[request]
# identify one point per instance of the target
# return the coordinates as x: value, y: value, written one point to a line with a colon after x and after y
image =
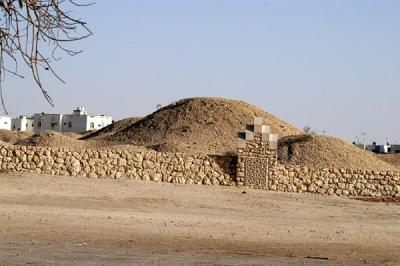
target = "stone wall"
x: 194, y: 169
x: 340, y: 182
x: 154, y: 166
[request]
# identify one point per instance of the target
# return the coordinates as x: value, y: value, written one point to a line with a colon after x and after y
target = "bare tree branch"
x: 28, y: 28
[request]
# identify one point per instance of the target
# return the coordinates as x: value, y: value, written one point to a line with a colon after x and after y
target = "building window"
x: 92, y: 125
x: 54, y: 124
x: 65, y: 123
x: 69, y: 124
x: 39, y: 124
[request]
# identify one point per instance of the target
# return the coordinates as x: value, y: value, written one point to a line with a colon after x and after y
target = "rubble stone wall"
x: 333, y: 181
x: 193, y: 169
x: 154, y: 166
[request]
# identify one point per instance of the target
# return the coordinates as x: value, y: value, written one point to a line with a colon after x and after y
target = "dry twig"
x: 28, y: 28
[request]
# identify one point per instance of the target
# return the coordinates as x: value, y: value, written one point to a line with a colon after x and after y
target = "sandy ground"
x: 47, y: 220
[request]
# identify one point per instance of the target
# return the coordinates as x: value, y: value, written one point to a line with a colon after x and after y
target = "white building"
x: 22, y: 124
x: 5, y: 122
x: 79, y: 121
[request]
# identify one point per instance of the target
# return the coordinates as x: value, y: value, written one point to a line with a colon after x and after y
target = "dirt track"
x: 64, y: 220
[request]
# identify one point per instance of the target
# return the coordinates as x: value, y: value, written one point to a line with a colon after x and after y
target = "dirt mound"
x: 196, y: 125
x: 393, y: 159
x: 13, y: 137
x: 72, y: 135
x: 113, y: 128
x: 53, y: 139
x: 322, y: 151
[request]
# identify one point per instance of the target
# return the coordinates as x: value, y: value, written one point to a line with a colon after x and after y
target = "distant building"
x: 5, y: 122
x: 79, y: 121
x: 395, y: 148
x: 22, y: 123
x: 388, y: 148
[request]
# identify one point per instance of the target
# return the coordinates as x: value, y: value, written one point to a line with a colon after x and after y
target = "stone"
x: 311, y: 188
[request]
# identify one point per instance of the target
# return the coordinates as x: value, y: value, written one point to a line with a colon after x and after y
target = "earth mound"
x: 196, y: 125
x: 53, y: 139
x: 113, y: 128
x: 393, y: 159
x: 13, y: 137
x: 325, y: 152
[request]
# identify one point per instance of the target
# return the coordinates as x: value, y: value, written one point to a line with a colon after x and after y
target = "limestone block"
x: 265, y: 137
x: 273, y: 145
x: 249, y: 135
x: 241, y: 144
x: 273, y: 137
x: 262, y: 129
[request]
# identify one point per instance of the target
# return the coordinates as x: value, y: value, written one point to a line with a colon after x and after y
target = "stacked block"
x: 257, y: 154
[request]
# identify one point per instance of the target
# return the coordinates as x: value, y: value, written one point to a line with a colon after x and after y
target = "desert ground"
x: 47, y: 220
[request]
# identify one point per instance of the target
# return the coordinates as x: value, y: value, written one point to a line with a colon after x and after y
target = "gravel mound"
x: 13, y: 137
x: 393, y: 159
x: 196, y: 125
x: 53, y: 139
x: 113, y: 128
x: 325, y: 152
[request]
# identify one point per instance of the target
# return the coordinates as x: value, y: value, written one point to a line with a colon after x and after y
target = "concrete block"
x: 266, y: 129
x: 258, y: 121
x: 249, y: 135
x: 241, y: 144
x: 273, y: 145
x: 273, y: 137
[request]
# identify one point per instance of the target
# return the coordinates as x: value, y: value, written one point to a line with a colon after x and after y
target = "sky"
x: 332, y: 65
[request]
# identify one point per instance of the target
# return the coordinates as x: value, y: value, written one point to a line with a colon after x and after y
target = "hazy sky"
x: 333, y: 65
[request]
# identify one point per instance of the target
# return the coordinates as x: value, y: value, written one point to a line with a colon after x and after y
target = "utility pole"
x: 363, y: 134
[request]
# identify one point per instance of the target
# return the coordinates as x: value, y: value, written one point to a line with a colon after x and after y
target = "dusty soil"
x: 196, y: 125
x: 393, y: 159
x: 70, y: 221
x: 391, y: 200
x: 325, y: 152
